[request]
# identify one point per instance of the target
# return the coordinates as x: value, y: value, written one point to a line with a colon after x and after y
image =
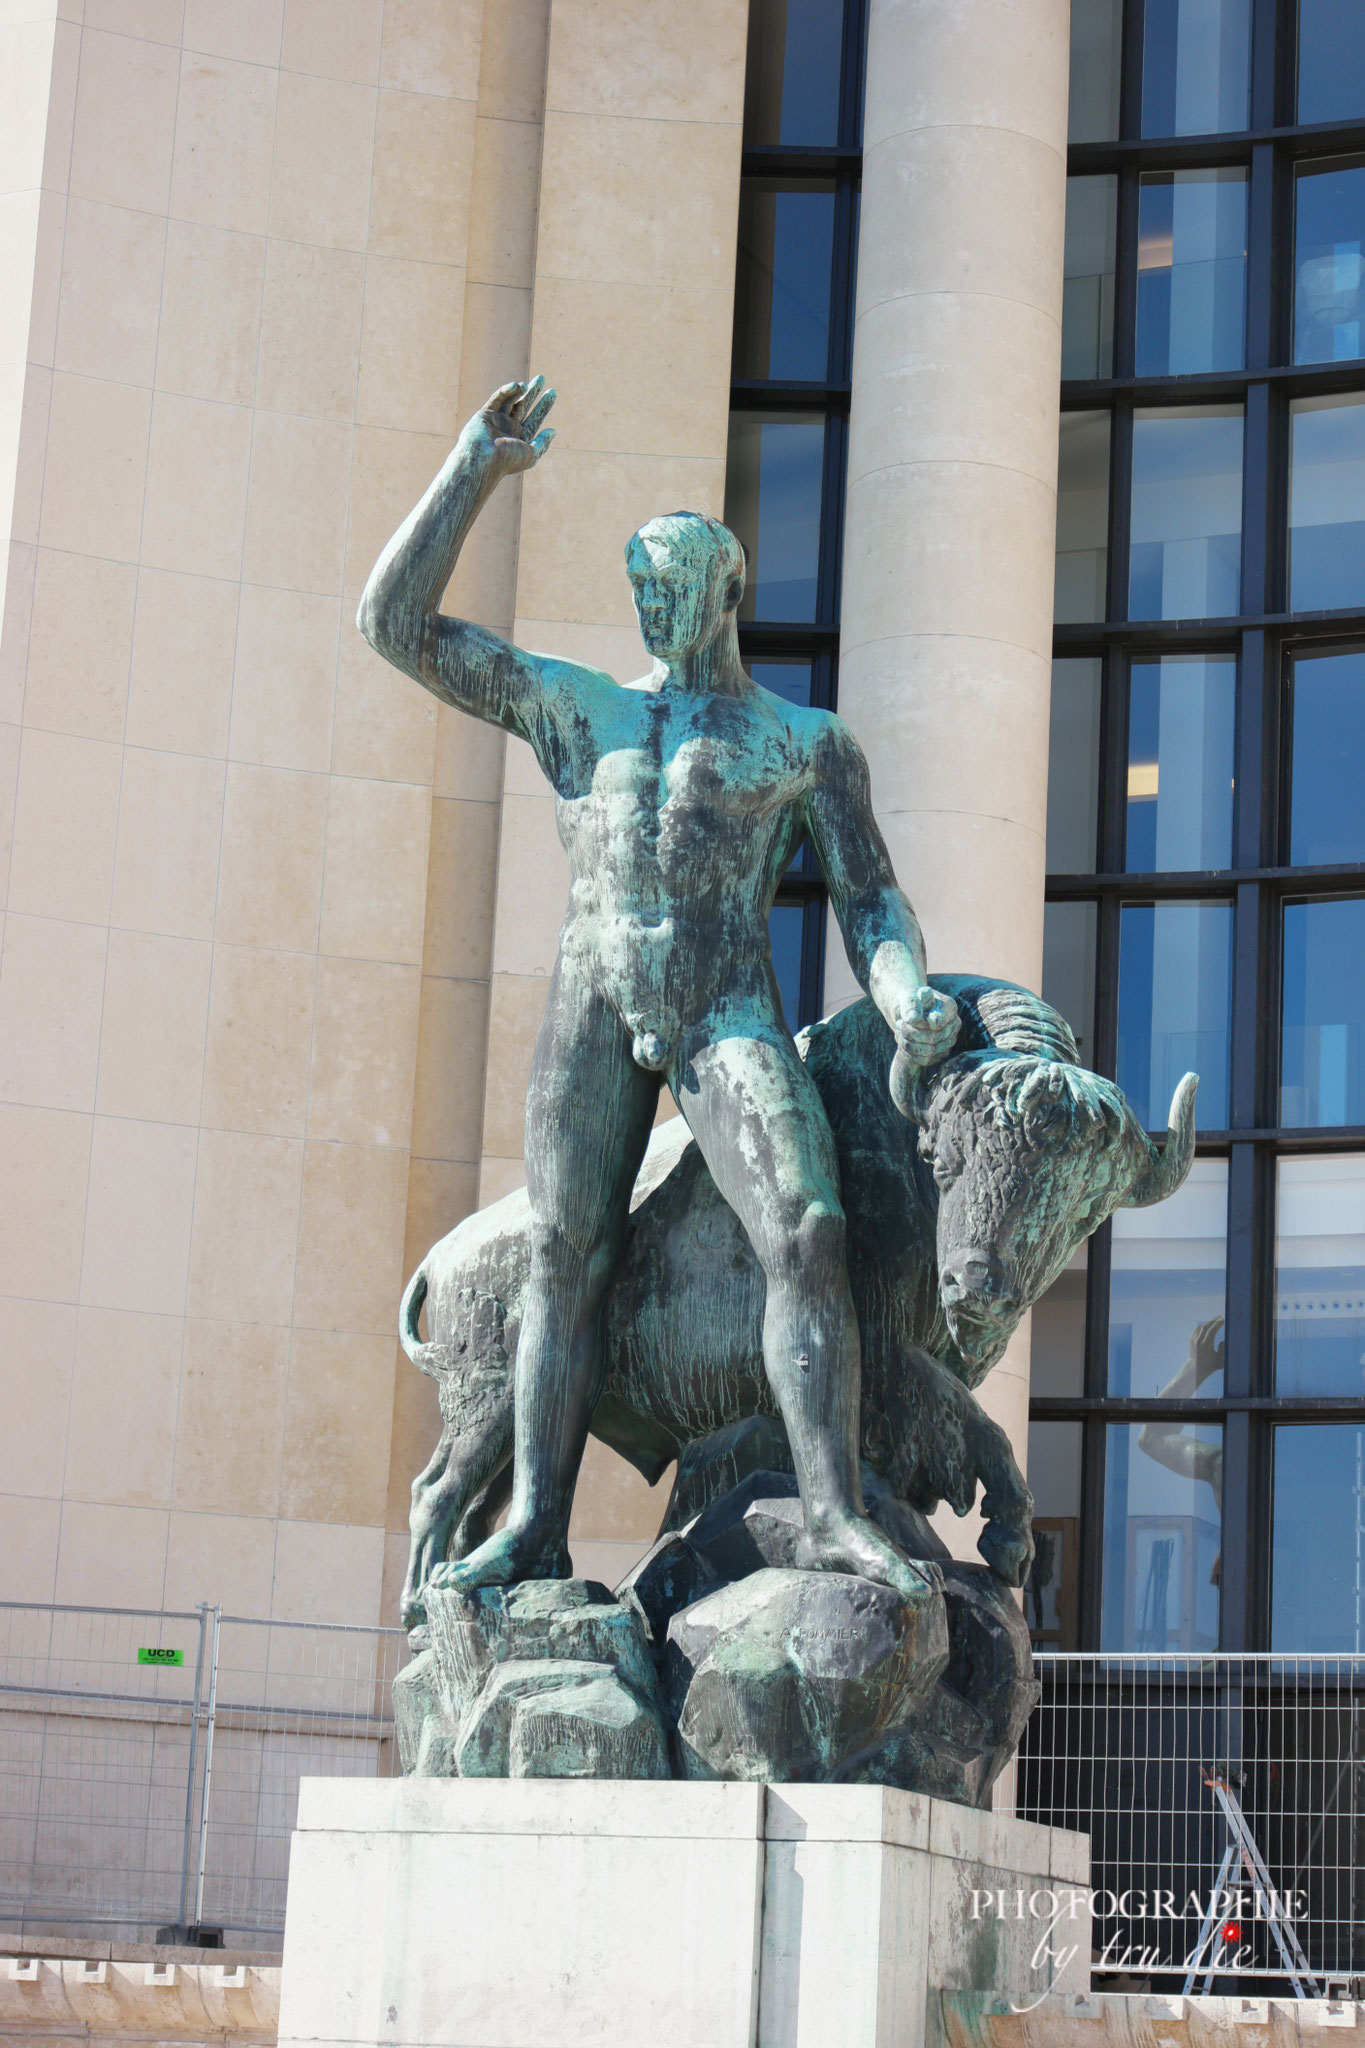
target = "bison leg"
x: 1006, y: 1542
x: 480, y: 1517
x: 460, y: 1467
x: 947, y: 1446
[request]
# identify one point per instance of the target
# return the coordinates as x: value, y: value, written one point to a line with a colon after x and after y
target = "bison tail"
x: 422, y: 1355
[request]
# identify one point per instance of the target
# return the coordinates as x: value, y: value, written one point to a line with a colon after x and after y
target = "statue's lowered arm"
x: 459, y: 662
x: 881, y: 932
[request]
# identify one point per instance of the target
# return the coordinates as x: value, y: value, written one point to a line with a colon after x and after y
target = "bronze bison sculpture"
x: 965, y: 1199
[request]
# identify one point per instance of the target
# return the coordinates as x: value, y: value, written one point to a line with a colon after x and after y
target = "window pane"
x: 1329, y: 228
x: 790, y: 680
x: 786, y: 925
x: 1181, y: 717
x: 1096, y: 41
x: 1191, y: 297
x: 1073, y: 767
x: 1196, y: 69
x: 1331, y: 60
x: 1069, y: 969
x: 1175, y: 985
x: 1168, y: 1291
x: 1163, y: 1485
x: 1320, y: 1277
x: 1317, y: 1594
x: 1323, y: 1079
x: 1082, y: 516
x: 791, y: 84
x: 1327, y: 822
x: 1054, y: 1477
x: 1187, y: 514
x: 1326, y: 503
x: 1088, y: 277
x: 782, y: 279
x: 772, y: 502
x: 1057, y: 1344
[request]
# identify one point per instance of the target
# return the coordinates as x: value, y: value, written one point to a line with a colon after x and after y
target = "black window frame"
x: 1264, y: 636
x: 817, y: 641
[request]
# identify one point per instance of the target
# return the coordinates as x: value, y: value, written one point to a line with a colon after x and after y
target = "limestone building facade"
x: 276, y: 927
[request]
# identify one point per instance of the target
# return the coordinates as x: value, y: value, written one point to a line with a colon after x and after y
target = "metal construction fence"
x: 1134, y: 1750
x: 150, y: 1763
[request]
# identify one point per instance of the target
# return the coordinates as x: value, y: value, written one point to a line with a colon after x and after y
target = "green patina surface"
x: 681, y: 798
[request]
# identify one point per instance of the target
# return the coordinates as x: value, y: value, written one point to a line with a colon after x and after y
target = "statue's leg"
x: 589, y: 1111
x: 762, y: 1128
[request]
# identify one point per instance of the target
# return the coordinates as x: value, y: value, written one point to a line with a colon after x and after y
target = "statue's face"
x: 678, y: 578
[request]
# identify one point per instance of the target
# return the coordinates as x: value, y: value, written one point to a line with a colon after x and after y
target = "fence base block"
x: 549, y: 1913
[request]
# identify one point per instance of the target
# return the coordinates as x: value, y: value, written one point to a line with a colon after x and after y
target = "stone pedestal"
x: 548, y: 1913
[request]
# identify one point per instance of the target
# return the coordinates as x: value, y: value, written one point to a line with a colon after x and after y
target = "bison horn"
x: 1161, y: 1171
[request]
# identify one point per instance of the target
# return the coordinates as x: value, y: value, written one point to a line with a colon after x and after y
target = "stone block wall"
x: 258, y: 886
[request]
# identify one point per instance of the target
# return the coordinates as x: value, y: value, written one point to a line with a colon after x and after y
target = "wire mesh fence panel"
x: 97, y: 1741
x: 150, y: 1766
x: 292, y: 1700
x: 1133, y: 1750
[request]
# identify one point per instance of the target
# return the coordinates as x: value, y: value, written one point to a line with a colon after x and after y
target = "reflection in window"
x: 782, y: 279
x: 1323, y: 1076
x: 786, y: 933
x: 1329, y: 231
x: 1320, y: 1277
x: 1163, y: 1486
x: 1191, y: 296
x: 1168, y: 1291
x: 1054, y: 1477
x: 1187, y: 513
x: 1096, y: 45
x: 1082, y: 517
x: 1073, y: 766
x: 1318, y: 1538
x: 1326, y: 821
x: 1088, y: 277
x: 1175, y: 987
x: 1196, y: 66
x: 1326, y: 503
x: 1181, y: 716
x: 1057, y: 1343
x: 1331, y: 60
x: 1069, y: 969
x: 791, y: 82
x: 772, y: 502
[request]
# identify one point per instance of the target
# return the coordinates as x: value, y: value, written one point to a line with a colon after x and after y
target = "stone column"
x: 945, y: 645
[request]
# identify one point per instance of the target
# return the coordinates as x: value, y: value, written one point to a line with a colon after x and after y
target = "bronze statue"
x: 681, y: 799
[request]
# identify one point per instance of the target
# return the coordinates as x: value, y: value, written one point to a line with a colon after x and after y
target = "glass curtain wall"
x: 784, y: 486
x: 1197, y: 1447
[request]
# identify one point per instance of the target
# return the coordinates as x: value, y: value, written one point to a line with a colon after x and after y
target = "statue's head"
x: 1029, y: 1157
x: 686, y: 572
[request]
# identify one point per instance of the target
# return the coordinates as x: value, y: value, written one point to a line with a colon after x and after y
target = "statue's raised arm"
x: 461, y: 663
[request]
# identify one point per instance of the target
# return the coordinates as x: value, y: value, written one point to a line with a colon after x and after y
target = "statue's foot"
x: 509, y: 1556
x: 851, y: 1544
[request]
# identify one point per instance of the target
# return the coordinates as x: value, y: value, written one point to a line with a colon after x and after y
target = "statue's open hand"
x: 511, y: 424
x: 926, y: 1026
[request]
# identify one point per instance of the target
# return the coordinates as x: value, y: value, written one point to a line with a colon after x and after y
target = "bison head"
x: 1030, y: 1153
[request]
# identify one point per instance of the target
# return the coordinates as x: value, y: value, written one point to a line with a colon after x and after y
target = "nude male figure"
x: 681, y: 799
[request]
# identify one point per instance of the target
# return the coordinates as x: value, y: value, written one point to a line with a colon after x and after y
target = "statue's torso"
x: 679, y: 813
